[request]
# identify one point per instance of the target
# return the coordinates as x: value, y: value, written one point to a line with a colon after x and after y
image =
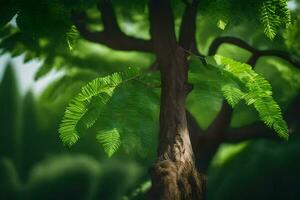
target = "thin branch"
x: 108, y: 15
x: 111, y: 36
x: 253, y: 131
x: 221, y: 122
x: 259, y: 130
x: 188, y: 26
x: 187, y: 35
x: 256, y: 53
x: 154, y: 66
x: 253, y: 60
x: 281, y: 54
x: 209, y: 142
x: 230, y: 40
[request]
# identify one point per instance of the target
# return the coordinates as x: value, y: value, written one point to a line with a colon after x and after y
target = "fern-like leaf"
x: 252, y: 88
x: 232, y: 94
x: 72, y: 36
x: 292, y: 36
x: 273, y: 14
x: 269, y: 19
x: 87, y: 105
x: 110, y: 140
x: 284, y: 13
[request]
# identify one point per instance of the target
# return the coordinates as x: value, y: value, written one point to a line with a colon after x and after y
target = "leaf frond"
x: 250, y: 87
x: 87, y: 105
x: 273, y: 14
x: 110, y: 140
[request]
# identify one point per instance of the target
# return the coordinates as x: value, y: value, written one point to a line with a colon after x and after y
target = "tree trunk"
x: 174, y: 175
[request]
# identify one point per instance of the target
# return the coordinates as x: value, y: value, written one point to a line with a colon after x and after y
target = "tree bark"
x: 174, y: 175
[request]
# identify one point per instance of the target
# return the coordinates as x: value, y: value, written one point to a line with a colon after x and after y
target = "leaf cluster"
x: 123, y: 108
x: 238, y: 81
x: 274, y: 13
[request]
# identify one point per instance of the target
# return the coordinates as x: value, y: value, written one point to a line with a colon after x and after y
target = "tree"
x: 182, y: 144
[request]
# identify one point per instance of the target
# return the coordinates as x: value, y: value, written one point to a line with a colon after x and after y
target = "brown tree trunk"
x: 174, y: 175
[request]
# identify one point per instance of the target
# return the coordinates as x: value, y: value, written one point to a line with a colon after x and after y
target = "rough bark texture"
x: 174, y: 175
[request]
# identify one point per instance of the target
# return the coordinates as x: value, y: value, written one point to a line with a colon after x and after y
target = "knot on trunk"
x: 176, y: 181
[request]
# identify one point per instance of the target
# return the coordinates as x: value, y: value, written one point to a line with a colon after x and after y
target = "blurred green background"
x: 34, y: 164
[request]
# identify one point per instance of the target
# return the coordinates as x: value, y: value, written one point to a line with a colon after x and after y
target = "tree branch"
x: 259, y: 130
x: 221, y: 122
x: 256, y: 130
x: 111, y: 36
x: 209, y: 142
x: 230, y: 40
x: 256, y: 53
x: 188, y: 26
x: 187, y: 38
x: 253, y: 131
x: 108, y: 15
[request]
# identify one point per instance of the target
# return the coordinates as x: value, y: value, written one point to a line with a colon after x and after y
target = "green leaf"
x: 43, y: 70
x: 273, y: 14
x: 239, y: 81
x: 87, y: 105
x: 222, y: 24
x: 72, y: 37
x: 292, y: 36
x: 110, y: 140
x: 232, y: 94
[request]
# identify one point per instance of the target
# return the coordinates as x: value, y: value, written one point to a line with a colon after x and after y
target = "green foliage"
x: 269, y: 169
x: 7, y: 9
x: 52, y: 38
x: 81, y: 177
x: 292, y: 36
x: 67, y: 177
x: 274, y: 13
x: 110, y: 140
x: 205, y: 100
x: 232, y: 94
x: 32, y: 138
x: 285, y: 78
x: 122, y: 111
x: 271, y: 13
x: 134, y: 110
x: 9, y: 118
x: 254, y: 89
x: 72, y: 36
x: 237, y: 81
x: 10, y: 185
x: 40, y: 29
x: 47, y: 66
x: 94, y: 95
x: 122, y: 117
x: 140, y: 192
x: 222, y: 24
